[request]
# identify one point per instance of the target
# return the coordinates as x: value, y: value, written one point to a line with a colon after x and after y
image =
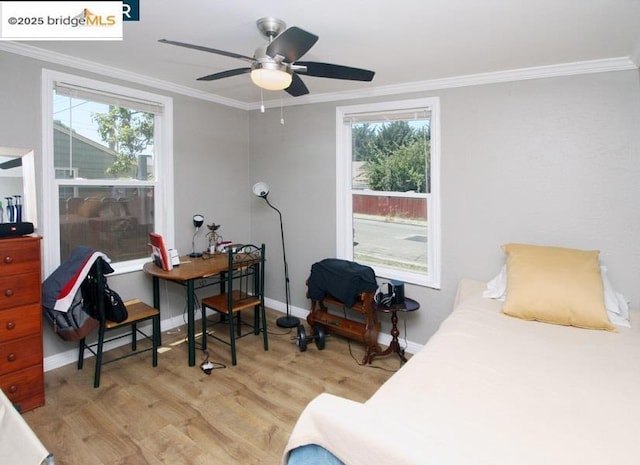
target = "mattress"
x: 492, y: 389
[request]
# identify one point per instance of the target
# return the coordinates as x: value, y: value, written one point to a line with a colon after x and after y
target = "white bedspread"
x: 492, y: 389
x: 18, y: 443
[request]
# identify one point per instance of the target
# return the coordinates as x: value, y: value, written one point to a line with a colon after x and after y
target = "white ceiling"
x: 404, y: 41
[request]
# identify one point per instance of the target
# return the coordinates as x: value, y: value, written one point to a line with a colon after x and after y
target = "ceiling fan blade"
x: 291, y: 44
x: 14, y: 163
x: 297, y: 87
x: 328, y: 70
x: 207, y: 49
x: 224, y: 74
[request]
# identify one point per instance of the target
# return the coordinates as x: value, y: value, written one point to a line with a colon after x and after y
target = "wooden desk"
x: 190, y: 270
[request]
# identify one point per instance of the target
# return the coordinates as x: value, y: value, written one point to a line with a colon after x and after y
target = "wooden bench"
x: 363, y: 331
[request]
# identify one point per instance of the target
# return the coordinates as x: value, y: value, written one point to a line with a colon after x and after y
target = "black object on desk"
x: 409, y: 305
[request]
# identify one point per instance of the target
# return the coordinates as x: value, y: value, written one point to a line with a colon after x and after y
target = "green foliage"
x: 393, y: 136
x: 404, y: 169
x: 396, y: 153
x: 128, y: 133
x: 363, y: 137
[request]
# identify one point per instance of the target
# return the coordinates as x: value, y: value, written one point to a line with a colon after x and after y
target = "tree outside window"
x: 390, y: 216
x: 108, y: 148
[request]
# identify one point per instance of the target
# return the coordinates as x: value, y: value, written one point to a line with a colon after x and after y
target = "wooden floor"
x: 176, y: 414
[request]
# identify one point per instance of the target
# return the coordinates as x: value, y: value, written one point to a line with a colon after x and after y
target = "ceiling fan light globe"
x: 271, y: 79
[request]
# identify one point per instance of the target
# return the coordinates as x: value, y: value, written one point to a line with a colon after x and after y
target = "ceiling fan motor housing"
x: 271, y: 27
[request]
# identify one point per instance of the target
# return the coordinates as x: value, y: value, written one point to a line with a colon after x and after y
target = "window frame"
x: 344, y: 193
x: 163, y: 169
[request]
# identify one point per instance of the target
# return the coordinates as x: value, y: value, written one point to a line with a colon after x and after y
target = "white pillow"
x: 614, y: 302
x: 497, y: 287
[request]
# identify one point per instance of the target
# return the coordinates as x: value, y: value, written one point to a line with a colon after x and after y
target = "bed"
x: 491, y: 388
x: 18, y: 442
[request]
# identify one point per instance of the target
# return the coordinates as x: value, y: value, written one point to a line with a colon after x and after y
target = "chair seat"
x: 137, y: 311
x: 240, y: 301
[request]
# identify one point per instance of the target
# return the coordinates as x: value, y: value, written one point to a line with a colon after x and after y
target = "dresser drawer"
x: 20, y: 353
x: 20, y: 322
x: 19, y: 255
x: 25, y: 388
x: 21, y: 289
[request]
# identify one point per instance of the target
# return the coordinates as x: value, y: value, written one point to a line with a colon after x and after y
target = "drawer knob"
x: 8, y: 292
x: 11, y: 325
x: 8, y: 259
x: 13, y: 389
x: 12, y: 357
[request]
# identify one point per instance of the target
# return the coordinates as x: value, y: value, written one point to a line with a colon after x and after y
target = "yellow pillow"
x: 555, y: 285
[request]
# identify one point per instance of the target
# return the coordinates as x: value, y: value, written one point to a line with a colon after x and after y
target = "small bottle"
x: 10, y: 212
x: 1, y: 213
x: 18, y: 208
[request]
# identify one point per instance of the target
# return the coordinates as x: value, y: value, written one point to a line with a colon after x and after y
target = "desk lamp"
x: 198, y: 220
x: 261, y: 189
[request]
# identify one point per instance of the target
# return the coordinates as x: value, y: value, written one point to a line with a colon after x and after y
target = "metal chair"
x: 138, y: 312
x: 242, y: 287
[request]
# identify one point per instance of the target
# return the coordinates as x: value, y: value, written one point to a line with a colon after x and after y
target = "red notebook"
x: 160, y: 251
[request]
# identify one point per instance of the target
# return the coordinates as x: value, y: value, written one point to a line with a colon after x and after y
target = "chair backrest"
x: 93, y: 289
x: 245, y: 274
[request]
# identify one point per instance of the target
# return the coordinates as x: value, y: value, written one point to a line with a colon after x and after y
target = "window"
x: 107, y: 169
x: 388, y: 206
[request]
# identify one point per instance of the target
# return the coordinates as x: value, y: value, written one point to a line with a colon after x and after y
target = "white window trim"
x: 344, y: 211
x: 163, y: 191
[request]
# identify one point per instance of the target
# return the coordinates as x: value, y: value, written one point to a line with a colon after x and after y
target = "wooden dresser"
x: 21, y: 357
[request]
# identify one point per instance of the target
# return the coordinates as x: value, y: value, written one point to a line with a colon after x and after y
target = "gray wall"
x: 549, y: 161
x: 211, y: 168
x: 552, y: 161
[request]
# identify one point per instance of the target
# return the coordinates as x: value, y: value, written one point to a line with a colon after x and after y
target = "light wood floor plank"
x: 176, y: 414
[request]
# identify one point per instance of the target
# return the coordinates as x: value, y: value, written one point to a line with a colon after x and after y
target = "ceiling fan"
x: 275, y: 67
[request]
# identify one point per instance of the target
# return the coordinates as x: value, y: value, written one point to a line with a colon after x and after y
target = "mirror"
x: 18, y: 178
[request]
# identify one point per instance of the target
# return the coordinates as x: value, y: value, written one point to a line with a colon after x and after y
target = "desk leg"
x: 156, y: 301
x: 191, y: 326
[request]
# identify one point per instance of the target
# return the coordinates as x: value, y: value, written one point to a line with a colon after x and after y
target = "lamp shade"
x: 198, y: 220
x: 261, y: 189
x: 271, y: 78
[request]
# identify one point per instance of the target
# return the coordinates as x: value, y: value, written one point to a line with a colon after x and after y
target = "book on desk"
x: 159, y: 252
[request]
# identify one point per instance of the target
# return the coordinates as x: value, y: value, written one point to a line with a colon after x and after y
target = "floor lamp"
x: 261, y: 189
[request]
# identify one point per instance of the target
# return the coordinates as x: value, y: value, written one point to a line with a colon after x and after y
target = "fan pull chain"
x: 261, y: 101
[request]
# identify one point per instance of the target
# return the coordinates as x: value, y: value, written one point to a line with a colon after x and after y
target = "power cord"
x: 367, y: 365
x: 208, y: 366
x: 283, y: 333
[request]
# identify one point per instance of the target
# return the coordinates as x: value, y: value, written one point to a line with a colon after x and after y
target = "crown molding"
x: 537, y: 72
x: 118, y: 73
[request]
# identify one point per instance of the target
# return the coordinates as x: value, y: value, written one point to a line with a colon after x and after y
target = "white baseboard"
x: 71, y: 356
